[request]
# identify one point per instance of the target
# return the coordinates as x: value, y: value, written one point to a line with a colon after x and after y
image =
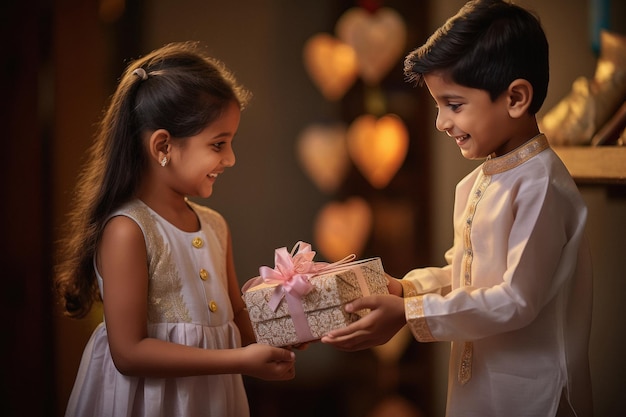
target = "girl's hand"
x: 299, y: 346
x: 268, y: 362
x: 384, y: 320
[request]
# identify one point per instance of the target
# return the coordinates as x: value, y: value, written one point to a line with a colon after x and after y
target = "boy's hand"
x: 393, y: 285
x: 384, y: 320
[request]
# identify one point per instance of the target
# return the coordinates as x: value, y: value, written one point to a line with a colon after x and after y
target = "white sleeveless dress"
x: 188, y: 304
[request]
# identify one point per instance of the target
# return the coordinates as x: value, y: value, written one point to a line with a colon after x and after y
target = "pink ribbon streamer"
x: 291, y: 272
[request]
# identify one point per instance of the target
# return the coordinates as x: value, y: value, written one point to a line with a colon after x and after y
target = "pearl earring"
x: 164, y: 161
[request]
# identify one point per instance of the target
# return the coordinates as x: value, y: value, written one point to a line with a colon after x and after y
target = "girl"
x: 174, y: 320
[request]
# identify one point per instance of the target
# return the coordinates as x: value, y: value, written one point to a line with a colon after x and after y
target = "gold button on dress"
x: 197, y: 242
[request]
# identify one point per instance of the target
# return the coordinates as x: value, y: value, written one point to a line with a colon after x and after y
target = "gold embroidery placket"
x: 465, y: 367
x: 491, y: 167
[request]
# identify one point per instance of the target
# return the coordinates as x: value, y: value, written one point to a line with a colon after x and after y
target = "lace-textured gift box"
x: 296, y: 318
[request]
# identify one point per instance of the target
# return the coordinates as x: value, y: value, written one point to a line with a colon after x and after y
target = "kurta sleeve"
x: 429, y: 280
x: 418, y: 282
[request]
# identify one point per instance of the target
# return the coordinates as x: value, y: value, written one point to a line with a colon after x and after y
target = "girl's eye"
x: 218, y: 145
x: 454, y: 107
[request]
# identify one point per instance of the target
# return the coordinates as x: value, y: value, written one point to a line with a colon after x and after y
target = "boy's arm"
x: 429, y: 280
x: 540, y: 238
x: 387, y: 312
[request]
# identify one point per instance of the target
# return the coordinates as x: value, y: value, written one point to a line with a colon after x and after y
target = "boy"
x: 515, y: 296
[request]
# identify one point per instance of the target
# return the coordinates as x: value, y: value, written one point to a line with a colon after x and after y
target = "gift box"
x: 300, y: 300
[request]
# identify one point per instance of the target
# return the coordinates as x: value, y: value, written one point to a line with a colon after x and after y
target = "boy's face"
x: 479, y: 126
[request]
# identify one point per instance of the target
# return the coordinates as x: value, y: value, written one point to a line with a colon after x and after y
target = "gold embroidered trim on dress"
x: 414, y: 311
x: 165, y: 299
x: 517, y: 156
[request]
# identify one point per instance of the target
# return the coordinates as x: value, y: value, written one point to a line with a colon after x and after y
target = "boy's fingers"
x: 343, y: 331
x: 361, y: 303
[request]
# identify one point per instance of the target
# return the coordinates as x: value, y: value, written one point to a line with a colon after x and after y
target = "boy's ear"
x: 520, y: 95
x: 159, y: 144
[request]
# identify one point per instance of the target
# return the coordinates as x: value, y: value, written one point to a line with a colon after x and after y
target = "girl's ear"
x: 159, y: 145
x: 520, y: 96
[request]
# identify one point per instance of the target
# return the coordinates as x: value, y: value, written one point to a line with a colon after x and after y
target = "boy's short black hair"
x: 487, y: 45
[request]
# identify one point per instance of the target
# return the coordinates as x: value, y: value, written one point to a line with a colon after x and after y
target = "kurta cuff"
x: 414, y: 312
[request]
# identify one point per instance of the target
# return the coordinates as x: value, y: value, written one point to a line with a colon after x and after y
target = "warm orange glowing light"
x: 343, y: 228
x: 378, y: 147
x: 323, y: 153
x: 331, y: 64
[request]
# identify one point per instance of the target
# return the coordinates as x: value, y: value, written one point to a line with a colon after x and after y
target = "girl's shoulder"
x: 136, y: 210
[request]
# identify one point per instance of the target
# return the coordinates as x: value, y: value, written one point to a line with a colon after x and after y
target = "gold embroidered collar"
x: 517, y: 156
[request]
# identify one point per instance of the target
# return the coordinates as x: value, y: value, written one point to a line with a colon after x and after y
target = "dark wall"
x: 28, y: 366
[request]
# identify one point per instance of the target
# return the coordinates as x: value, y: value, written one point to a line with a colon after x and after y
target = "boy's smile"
x: 462, y: 139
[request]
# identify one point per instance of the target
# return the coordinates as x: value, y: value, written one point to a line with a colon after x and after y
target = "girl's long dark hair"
x: 176, y: 88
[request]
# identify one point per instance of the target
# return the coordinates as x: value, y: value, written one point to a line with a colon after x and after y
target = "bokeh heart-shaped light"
x: 378, y: 147
x: 343, y: 228
x: 323, y: 154
x: 331, y: 64
x: 378, y: 38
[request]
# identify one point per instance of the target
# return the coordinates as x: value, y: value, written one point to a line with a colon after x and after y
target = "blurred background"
x: 60, y: 63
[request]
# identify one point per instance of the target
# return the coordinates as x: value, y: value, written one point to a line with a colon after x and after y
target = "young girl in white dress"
x: 174, y: 321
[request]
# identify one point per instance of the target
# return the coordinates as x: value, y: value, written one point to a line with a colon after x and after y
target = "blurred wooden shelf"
x: 595, y: 164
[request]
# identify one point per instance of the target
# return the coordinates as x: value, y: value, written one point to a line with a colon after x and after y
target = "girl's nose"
x: 228, y: 160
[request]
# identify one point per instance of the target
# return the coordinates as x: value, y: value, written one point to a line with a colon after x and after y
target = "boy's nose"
x: 442, y: 123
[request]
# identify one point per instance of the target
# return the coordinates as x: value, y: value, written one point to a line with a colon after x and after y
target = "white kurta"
x: 188, y: 304
x: 515, y: 298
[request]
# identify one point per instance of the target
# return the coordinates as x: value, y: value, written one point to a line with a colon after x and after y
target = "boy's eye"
x: 454, y: 106
x: 218, y: 145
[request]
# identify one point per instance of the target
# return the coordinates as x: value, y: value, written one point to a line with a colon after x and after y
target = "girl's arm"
x: 122, y: 262
x: 242, y: 319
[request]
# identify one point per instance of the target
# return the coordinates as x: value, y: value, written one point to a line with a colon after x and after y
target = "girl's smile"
x: 203, y: 157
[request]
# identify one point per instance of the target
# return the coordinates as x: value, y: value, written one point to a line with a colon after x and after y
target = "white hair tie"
x: 141, y: 73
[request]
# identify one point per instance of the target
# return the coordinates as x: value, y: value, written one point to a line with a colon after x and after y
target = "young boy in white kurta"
x: 515, y: 296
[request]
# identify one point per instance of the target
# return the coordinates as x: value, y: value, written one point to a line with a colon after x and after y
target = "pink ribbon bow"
x: 292, y: 272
